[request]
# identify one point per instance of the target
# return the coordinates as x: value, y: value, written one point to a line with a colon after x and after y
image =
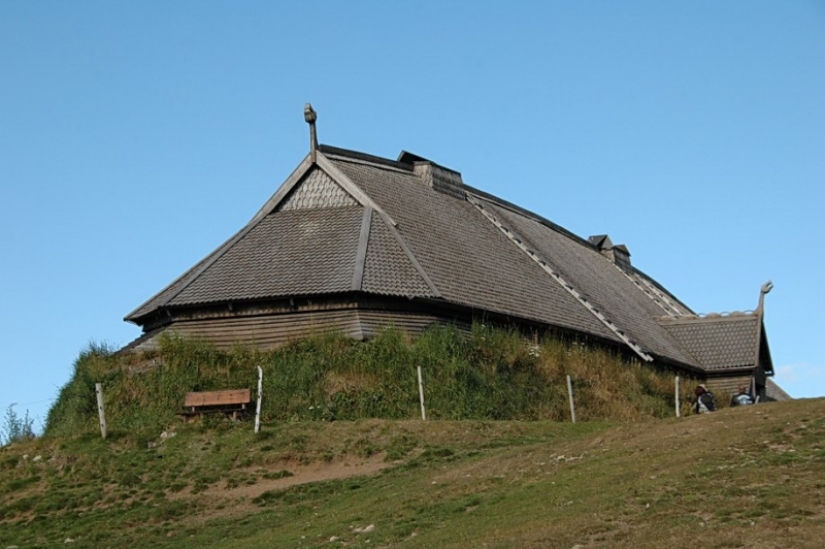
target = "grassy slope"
x: 490, y: 374
x: 749, y: 477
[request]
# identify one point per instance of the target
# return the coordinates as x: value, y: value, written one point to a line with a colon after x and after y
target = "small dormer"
x: 618, y: 254
x: 439, y: 178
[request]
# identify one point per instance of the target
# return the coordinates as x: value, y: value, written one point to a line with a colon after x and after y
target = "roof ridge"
x: 354, y: 190
x: 363, y: 198
x: 373, y: 165
x: 655, y: 294
x: 527, y: 213
x: 364, y: 157
x: 409, y: 253
x: 652, y: 293
x: 654, y: 287
x: 732, y: 317
x: 649, y: 280
x: 381, y: 162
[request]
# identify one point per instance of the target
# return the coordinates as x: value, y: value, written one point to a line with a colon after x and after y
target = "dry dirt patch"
x: 301, y: 473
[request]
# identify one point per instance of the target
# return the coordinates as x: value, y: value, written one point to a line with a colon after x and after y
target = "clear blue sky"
x: 135, y: 138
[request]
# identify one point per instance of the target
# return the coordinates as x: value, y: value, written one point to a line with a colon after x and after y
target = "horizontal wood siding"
x: 267, y: 331
x: 263, y: 331
x: 373, y: 321
x: 729, y: 385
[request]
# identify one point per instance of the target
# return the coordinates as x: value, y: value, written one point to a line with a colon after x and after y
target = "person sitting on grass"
x: 742, y: 398
x: 704, y: 400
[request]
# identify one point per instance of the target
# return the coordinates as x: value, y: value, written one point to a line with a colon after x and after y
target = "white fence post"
x: 678, y: 404
x: 421, y: 394
x: 100, y: 411
x: 258, y: 406
x: 572, y: 404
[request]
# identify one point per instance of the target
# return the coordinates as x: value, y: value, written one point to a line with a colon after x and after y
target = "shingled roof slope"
x: 345, y: 221
x: 271, y: 260
x: 597, y: 278
x: 718, y: 342
x: 474, y: 264
x: 280, y: 244
x: 468, y: 259
x: 311, y: 243
x: 387, y: 268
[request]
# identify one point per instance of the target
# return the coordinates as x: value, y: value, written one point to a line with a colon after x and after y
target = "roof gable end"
x: 316, y: 190
x: 719, y: 343
x: 317, y: 185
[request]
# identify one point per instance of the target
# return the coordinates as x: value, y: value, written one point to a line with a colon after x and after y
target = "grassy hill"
x: 490, y: 374
x: 744, y: 477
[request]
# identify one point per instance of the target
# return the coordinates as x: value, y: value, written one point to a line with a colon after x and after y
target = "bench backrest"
x: 218, y: 398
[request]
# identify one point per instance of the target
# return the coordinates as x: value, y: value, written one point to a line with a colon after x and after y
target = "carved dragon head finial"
x: 310, y: 116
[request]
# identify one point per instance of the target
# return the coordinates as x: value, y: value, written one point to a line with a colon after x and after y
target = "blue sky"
x: 135, y: 138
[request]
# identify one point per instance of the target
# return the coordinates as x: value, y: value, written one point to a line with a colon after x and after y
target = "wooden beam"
x: 361, y: 254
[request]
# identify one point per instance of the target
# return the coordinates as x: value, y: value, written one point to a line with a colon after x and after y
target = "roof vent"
x: 618, y: 254
x: 439, y: 178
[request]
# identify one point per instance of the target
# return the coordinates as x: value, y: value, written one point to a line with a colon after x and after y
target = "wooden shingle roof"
x: 350, y: 222
x: 719, y: 343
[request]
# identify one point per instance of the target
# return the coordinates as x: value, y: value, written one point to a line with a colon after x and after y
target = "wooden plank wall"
x: 372, y: 321
x: 724, y: 387
x: 263, y: 331
x: 269, y: 331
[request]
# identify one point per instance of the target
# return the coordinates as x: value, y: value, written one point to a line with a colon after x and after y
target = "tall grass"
x: 491, y: 374
x: 16, y: 428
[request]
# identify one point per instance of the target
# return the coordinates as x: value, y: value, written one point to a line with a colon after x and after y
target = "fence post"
x: 100, y: 411
x: 421, y: 394
x: 678, y: 404
x: 258, y: 406
x: 572, y: 404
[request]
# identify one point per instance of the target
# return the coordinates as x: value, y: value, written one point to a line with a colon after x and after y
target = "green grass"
x: 497, y: 465
x: 490, y: 374
x: 742, y: 477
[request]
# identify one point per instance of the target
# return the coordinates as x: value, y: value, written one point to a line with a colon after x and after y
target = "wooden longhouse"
x: 352, y: 242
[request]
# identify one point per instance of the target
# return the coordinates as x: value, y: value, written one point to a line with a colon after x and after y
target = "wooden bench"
x: 230, y: 401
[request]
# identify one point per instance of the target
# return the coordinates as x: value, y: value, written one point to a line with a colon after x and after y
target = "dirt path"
x: 343, y: 467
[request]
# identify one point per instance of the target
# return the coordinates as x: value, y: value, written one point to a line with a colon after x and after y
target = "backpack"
x: 705, y: 403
